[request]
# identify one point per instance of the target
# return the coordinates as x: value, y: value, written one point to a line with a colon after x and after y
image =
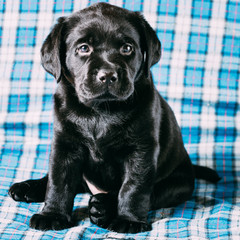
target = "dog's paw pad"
x: 18, y: 191
x: 95, y: 211
x: 102, y: 209
x: 49, y: 222
x: 28, y: 191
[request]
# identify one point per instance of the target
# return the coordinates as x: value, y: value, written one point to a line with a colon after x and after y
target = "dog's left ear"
x: 51, y: 51
x: 150, y: 44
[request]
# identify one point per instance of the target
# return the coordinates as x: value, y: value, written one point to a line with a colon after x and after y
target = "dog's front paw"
x: 125, y: 226
x: 102, y: 209
x: 49, y: 221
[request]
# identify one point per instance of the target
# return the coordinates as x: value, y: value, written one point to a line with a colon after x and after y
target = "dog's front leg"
x: 63, y: 179
x: 134, y: 196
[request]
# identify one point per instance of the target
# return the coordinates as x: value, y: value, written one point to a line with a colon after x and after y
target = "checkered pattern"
x: 198, y: 74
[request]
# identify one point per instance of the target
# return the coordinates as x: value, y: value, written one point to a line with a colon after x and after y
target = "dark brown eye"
x: 126, y: 49
x: 84, y: 49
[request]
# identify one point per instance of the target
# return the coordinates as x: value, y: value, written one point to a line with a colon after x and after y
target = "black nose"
x: 107, y: 76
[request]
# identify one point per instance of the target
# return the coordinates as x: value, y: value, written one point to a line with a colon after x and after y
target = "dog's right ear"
x: 51, y: 51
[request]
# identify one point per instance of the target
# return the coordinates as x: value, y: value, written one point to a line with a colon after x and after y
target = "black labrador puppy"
x: 114, y: 135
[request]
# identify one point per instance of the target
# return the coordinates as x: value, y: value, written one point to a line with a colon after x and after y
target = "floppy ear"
x: 151, y: 45
x: 51, y: 51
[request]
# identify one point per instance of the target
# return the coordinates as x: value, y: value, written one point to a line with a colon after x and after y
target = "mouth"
x: 106, y: 97
x: 90, y: 98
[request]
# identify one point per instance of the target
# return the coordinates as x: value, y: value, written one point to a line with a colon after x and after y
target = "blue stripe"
x: 29, y: 6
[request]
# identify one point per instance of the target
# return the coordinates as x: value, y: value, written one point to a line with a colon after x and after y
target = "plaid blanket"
x: 198, y: 74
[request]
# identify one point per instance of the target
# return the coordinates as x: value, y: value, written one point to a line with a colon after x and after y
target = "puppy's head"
x: 102, y: 50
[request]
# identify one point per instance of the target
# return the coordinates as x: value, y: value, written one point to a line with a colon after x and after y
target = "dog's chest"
x: 106, y: 146
x: 99, y: 135
x: 106, y: 153
x: 94, y: 128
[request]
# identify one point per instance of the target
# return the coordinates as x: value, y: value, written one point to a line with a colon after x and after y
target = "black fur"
x: 111, y: 126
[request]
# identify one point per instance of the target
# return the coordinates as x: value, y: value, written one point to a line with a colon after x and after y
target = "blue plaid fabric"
x: 199, y: 75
